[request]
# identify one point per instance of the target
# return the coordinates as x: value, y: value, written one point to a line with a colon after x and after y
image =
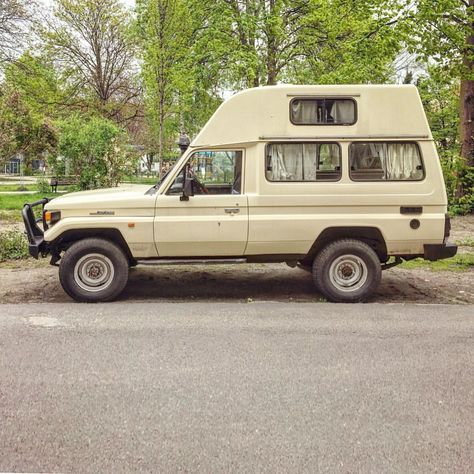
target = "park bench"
x: 63, y: 181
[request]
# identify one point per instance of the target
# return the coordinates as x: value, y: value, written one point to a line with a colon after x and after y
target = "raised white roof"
x: 263, y: 113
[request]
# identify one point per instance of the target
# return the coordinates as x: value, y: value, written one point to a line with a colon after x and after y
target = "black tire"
x: 93, y: 270
x: 347, y: 271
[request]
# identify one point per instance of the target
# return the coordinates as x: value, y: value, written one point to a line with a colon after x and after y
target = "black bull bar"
x: 34, y: 233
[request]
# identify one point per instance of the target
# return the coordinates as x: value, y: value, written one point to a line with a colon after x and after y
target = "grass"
x: 459, y: 263
x: 10, y: 216
x: 29, y: 187
x: 15, y: 202
x: 141, y: 180
x: 465, y: 242
x: 17, y: 187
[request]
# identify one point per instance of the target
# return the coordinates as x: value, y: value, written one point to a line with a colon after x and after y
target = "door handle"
x: 231, y: 210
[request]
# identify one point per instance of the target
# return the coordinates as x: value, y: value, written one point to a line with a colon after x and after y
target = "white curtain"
x: 399, y: 161
x: 299, y: 162
x: 304, y: 111
x: 310, y: 161
x: 286, y: 163
x: 342, y: 111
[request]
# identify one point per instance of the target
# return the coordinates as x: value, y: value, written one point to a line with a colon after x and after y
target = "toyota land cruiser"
x: 344, y: 181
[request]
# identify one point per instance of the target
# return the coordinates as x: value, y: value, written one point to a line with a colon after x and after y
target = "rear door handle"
x: 231, y: 210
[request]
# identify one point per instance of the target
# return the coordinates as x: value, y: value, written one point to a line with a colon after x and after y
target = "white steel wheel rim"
x: 94, y: 272
x: 348, y: 273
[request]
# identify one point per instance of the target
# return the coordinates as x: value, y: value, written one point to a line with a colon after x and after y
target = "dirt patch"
x: 36, y: 281
x: 10, y: 223
x: 245, y: 283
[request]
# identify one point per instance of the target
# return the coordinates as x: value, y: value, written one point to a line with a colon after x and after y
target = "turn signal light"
x: 51, y: 217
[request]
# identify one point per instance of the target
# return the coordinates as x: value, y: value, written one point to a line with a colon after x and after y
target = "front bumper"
x: 439, y: 251
x: 34, y: 233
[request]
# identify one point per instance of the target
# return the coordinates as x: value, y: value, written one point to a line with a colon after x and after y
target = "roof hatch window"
x: 323, y: 111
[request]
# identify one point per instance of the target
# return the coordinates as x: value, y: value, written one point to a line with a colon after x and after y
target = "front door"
x: 213, y: 222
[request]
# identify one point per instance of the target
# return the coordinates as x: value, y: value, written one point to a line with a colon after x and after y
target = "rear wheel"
x: 93, y: 270
x: 347, y: 271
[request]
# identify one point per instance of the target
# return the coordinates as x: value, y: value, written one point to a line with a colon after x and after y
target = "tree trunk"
x: 467, y: 120
x: 271, y: 65
x: 161, y: 128
x: 149, y: 161
x: 252, y: 10
x: 272, y: 49
x: 272, y: 52
x: 467, y: 102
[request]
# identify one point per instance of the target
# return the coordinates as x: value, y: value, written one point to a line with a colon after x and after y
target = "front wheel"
x: 93, y: 270
x: 347, y: 271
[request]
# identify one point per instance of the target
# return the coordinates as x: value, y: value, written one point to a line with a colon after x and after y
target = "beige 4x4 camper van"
x: 335, y: 179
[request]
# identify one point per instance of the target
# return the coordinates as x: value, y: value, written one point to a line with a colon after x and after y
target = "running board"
x: 188, y: 261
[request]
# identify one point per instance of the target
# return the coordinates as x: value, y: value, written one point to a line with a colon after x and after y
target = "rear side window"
x: 303, y: 162
x: 385, y: 161
x: 323, y: 111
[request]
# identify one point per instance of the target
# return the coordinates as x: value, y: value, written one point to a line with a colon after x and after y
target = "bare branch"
x: 90, y: 39
x: 15, y: 16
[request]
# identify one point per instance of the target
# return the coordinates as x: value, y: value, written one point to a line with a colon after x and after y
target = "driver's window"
x: 212, y: 172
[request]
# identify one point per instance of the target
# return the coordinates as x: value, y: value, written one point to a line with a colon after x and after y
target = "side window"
x: 303, y: 162
x: 323, y: 111
x: 375, y: 161
x: 213, y: 172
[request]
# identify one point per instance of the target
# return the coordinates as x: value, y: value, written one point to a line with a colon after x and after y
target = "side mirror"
x: 188, y: 189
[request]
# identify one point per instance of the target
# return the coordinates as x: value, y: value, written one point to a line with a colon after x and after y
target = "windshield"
x: 155, y: 188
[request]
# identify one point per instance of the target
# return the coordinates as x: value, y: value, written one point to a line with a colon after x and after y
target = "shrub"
x: 13, y: 245
x: 95, y: 150
x: 42, y: 185
x: 458, y: 176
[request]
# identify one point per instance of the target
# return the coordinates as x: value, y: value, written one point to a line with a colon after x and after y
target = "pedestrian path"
x: 17, y: 180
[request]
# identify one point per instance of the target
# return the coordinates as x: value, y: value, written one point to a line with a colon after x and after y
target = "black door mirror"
x: 188, y: 188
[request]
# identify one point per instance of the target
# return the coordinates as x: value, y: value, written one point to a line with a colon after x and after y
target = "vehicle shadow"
x: 275, y: 282
x: 261, y: 282
x: 278, y: 282
x: 241, y: 283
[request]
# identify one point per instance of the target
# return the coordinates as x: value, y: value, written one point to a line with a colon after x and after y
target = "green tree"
x: 445, y: 37
x: 440, y: 95
x: 29, y: 102
x: 22, y: 131
x: 96, y: 150
x: 193, y: 50
x: 165, y: 32
x: 39, y: 84
x: 261, y: 42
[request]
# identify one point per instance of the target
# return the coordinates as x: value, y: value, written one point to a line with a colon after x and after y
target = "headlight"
x: 51, y: 217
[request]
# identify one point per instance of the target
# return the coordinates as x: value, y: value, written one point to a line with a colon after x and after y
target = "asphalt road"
x: 235, y: 387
